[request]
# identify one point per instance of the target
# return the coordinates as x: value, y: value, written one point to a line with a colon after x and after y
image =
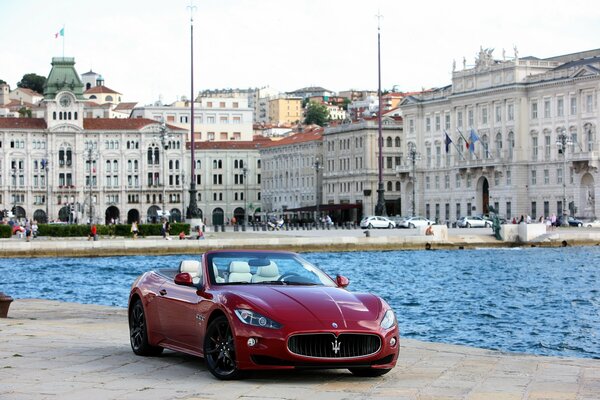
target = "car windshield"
x: 264, y: 268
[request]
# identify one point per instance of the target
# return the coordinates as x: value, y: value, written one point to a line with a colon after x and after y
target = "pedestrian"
x: 163, y: 229
x: 528, y: 219
x: 181, y: 235
x: 34, y: 229
x: 93, y: 232
x: 27, y: 230
x: 233, y: 220
x: 134, y: 229
x: 553, y: 220
x: 522, y: 219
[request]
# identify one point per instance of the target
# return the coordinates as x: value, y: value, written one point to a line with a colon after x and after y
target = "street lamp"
x: 562, y: 141
x: 380, y: 207
x: 14, y: 194
x: 413, y: 156
x: 245, y: 172
x: 164, y: 137
x: 90, y: 156
x: 318, y: 165
x: 45, y: 168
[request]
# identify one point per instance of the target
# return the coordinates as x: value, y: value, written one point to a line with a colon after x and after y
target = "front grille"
x: 327, y: 345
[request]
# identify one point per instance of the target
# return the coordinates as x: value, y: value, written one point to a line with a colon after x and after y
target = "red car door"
x: 182, y: 315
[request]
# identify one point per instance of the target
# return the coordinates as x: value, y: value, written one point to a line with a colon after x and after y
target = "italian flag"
x: 60, y: 33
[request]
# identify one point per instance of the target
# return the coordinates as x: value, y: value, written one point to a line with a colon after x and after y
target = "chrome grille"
x: 327, y: 345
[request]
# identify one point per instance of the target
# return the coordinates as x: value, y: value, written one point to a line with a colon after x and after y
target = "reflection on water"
x: 541, y: 301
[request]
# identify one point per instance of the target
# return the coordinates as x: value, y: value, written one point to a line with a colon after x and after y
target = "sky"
x: 142, y: 47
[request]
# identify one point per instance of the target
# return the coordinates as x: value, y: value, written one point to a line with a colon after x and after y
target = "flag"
x: 447, y: 141
x: 464, y: 138
x: 473, y: 138
x: 60, y: 33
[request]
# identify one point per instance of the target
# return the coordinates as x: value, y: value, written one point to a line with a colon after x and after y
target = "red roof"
x: 230, y: 145
x: 302, y: 137
x: 22, y: 123
x: 99, y: 89
x: 118, y: 124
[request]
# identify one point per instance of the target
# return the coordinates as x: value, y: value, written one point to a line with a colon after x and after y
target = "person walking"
x: 134, y: 229
x: 93, y: 232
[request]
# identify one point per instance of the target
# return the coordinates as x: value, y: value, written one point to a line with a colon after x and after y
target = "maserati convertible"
x: 261, y: 310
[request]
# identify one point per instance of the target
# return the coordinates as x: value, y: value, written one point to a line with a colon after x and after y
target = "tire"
x: 138, y: 332
x: 390, y: 226
x: 488, y: 225
x: 411, y: 226
x: 579, y: 225
x: 468, y: 225
x: 219, y: 350
x: 369, y: 372
x: 370, y: 226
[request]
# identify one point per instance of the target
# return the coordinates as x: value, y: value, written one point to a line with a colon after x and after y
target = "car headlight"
x: 389, y: 319
x: 249, y: 317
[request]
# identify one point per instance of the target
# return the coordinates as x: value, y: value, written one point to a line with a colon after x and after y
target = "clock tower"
x: 63, y: 95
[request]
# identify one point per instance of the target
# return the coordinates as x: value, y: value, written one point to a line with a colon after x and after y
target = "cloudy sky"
x: 142, y: 47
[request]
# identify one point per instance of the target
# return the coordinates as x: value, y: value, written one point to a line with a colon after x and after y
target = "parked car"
x: 490, y: 217
x: 473, y: 222
x: 261, y: 310
x: 592, y: 224
x: 413, y: 222
x: 377, y: 222
x: 570, y: 220
x: 398, y: 220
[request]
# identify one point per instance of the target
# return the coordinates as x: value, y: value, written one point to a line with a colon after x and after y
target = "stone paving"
x: 56, y: 350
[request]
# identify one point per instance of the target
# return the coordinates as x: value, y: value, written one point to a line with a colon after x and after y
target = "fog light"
x: 393, y: 341
x: 252, y: 342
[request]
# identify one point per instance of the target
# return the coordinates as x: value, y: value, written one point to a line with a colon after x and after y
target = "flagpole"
x: 63, y: 38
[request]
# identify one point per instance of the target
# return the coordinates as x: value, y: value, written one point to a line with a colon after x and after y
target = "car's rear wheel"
x: 138, y: 332
x: 370, y: 226
x: 219, y: 350
x: 468, y: 225
x: 391, y: 226
x: 369, y: 372
x: 411, y: 226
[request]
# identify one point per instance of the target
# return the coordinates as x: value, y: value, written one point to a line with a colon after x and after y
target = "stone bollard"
x: 264, y: 227
x: 243, y: 228
x: 367, y: 233
x: 5, y: 301
x: 236, y: 228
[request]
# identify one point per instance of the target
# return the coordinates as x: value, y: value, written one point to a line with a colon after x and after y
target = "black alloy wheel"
x: 370, y: 226
x: 138, y: 332
x: 219, y: 350
x: 369, y: 372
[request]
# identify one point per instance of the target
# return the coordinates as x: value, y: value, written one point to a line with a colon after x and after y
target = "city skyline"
x: 254, y: 44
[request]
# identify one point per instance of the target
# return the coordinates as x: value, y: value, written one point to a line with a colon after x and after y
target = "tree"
x: 2, y: 81
x: 316, y: 113
x: 33, y: 81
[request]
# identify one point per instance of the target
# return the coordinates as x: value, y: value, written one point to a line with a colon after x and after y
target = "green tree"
x: 2, y: 81
x: 316, y: 113
x: 33, y: 81
x: 25, y: 112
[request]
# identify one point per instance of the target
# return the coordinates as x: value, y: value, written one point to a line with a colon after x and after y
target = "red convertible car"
x: 261, y: 310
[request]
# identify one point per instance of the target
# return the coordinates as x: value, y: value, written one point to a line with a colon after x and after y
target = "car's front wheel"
x: 138, y: 332
x: 219, y: 350
x: 369, y: 372
x: 411, y: 226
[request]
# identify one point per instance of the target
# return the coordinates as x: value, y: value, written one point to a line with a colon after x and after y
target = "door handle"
x: 163, y: 292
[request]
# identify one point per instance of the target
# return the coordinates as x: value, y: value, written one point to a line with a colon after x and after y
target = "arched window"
x: 389, y: 186
x: 397, y: 186
x: 235, y: 164
x: 498, y: 145
x: 54, y: 115
x: 397, y: 142
x: 511, y: 145
x: 156, y: 155
x: 388, y: 142
x: 149, y: 155
x: 109, y: 98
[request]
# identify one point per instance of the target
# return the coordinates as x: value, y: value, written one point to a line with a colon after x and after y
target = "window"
x: 560, y: 107
x: 589, y: 103
x: 559, y: 176
x: 534, y: 148
x: 447, y: 124
x: 546, y: 178
x: 459, y: 119
x: 508, y: 209
x: 510, y: 112
x: 533, y: 209
x: 458, y: 211
x: 484, y: 115
x: 428, y: 124
x: 411, y: 125
x: 534, y: 110
x: 533, y: 177
x: 437, y: 123
x: 470, y: 118
x: 508, y: 178
x: 498, y: 114
x: 427, y: 184
x: 573, y: 105
x: 547, y: 146
x: 547, y: 108
x: 469, y: 181
x: 457, y: 180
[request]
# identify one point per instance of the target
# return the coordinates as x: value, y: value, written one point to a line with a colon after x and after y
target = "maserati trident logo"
x: 335, y: 346
x: 334, y: 324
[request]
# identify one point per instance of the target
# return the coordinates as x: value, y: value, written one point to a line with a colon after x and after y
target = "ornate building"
x: 521, y: 136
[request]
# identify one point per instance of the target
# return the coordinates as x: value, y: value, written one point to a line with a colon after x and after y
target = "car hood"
x: 311, y: 304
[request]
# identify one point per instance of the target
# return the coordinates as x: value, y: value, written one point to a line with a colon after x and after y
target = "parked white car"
x: 592, y: 224
x: 413, y: 222
x: 473, y: 222
x: 377, y: 222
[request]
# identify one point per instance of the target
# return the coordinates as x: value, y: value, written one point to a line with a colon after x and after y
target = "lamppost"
x: 562, y: 141
x: 318, y: 165
x: 164, y: 137
x: 14, y: 194
x: 245, y: 172
x: 45, y: 169
x: 413, y: 156
x: 380, y: 207
x: 192, y: 212
x: 90, y: 155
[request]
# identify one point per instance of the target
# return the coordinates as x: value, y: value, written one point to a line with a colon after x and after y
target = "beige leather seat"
x: 218, y: 279
x: 239, y: 271
x: 192, y: 267
x: 267, y: 273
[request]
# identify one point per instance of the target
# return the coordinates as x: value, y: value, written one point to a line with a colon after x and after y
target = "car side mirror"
x: 184, y: 278
x: 342, y: 281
